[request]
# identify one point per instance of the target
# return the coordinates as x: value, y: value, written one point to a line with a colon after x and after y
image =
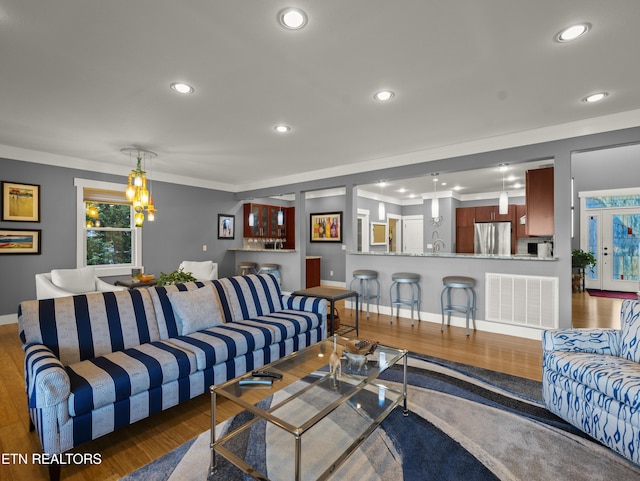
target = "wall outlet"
x: 204, y: 248
x: 331, y: 273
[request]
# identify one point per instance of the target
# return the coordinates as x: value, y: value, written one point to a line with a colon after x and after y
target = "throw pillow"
x: 196, y: 310
x: 76, y: 281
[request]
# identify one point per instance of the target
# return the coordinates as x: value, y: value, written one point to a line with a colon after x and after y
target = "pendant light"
x: 382, y: 215
x: 503, y: 200
x: 435, y: 202
x: 251, y: 218
x: 280, y: 213
x: 138, y: 190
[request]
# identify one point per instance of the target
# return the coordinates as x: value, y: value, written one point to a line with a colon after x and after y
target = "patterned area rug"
x: 465, y: 423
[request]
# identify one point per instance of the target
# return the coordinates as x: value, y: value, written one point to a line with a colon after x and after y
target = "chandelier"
x: 138, y: 191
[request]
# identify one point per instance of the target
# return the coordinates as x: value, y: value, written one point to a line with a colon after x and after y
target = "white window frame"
x: 81, y: 227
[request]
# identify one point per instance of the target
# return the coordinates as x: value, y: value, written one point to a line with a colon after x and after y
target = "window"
x: 107, y: 237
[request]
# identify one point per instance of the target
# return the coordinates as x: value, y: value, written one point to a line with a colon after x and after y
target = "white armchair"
x: 69, y: 282
x: 201, y: 270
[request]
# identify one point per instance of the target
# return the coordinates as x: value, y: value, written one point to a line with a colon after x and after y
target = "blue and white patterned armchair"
x: 591, y: 379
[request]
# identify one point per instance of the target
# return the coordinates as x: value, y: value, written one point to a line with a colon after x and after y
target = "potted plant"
x: 582, y: 260
x: 176, y: 277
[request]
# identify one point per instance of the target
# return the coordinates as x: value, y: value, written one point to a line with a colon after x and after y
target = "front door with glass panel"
x: 613, y: 235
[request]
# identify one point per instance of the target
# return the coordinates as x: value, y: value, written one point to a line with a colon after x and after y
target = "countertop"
x: 515, y: 257
x: 256, y: 249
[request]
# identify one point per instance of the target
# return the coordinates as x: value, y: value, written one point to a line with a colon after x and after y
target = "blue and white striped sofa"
x: 100, y: 361
x: 591, y: 379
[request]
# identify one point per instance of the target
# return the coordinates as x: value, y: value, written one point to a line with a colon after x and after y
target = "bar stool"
x: 365, y: 277
x: 246, y: 268
x: 413, y: 281
x: 270, y: 269
x: 459, y: 282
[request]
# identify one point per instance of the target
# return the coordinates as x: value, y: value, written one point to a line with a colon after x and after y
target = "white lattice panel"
x: 530, y: 301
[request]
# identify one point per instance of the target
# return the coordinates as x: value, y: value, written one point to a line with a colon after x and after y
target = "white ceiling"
x: 82, y: 79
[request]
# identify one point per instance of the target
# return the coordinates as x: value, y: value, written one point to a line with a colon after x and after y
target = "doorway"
x: 413, y: 235
x: 395, y: 233
x: 613, y: 236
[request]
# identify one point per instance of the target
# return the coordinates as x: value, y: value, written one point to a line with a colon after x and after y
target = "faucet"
x: 436, y: 242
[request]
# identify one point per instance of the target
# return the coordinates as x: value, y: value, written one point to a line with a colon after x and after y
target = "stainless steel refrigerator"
x: 492, y: 238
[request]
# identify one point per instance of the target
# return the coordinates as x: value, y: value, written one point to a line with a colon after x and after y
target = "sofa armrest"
x: 597, y: 341
x: 47, y: 382
x: 307, y: 304
x: 106, y: 287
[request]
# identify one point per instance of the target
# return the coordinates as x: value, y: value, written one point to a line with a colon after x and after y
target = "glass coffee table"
x: 315, y: 419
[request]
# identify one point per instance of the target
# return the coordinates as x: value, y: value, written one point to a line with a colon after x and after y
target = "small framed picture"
x: 226, y: 226
x: 20, y: 202
x: 326, y: 227
x: 16, y: 241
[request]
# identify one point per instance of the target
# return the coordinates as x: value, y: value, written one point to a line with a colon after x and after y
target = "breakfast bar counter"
x: 517, y: 281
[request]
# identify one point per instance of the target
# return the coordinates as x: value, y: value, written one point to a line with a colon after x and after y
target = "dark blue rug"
x: 464, y: 423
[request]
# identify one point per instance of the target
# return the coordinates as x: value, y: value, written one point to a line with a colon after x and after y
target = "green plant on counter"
x: 582, y: 259
x: 176, y: 277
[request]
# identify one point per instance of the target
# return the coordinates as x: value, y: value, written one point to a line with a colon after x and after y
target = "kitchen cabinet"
x: 265, y: 223
x: 539, y: 192
x: 491, y: 213
x: 465, y: 218
x: 313, y: 271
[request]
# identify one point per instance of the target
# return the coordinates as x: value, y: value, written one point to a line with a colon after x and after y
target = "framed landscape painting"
x: 326, y: 227
x: 16, y: 241
x: 226, y: 226
x: 20, y: 202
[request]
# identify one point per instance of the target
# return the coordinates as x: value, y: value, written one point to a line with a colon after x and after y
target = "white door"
x: 413, y: 235
x: 614, y: 238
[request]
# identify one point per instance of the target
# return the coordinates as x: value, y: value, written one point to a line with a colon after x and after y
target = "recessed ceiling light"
x: 182, y: 88
x: 292, y: 18
x: 457, y: 187
x: 597, y: 97
x: 573, y: 32
x: 402, y: 190
x: 384, y: 95
x: 503, y: 167
x: 282, y: 129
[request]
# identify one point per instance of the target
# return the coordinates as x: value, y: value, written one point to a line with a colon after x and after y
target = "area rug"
x: 464, y: 423
x: 613, y: 294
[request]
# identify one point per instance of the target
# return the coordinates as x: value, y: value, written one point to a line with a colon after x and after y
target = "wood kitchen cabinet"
x: 539, y: 192
x: 313, y: 271
x: 265, y: 223
x: 491, y: 213
x: 465, y: 218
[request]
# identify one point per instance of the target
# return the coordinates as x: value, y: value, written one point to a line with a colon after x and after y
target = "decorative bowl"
x: 143, y: 277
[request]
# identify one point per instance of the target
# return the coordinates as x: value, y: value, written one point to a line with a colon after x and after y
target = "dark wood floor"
x: 134, y: 446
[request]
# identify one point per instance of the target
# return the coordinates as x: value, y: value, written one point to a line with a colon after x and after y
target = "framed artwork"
x: 226, y: 226
x: 326, y: 227
x: 20, y: 202
x: 16, y: 241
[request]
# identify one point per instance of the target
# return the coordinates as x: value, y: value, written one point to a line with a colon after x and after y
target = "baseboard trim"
x: 436, y: 317
x: 333, y: 283
x: 8, y: 319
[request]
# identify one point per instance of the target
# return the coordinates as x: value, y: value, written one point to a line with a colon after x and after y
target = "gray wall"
x: 59, y: 196
x: 186, y: 220
x: 333, y: 257
x: 589, y: 174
